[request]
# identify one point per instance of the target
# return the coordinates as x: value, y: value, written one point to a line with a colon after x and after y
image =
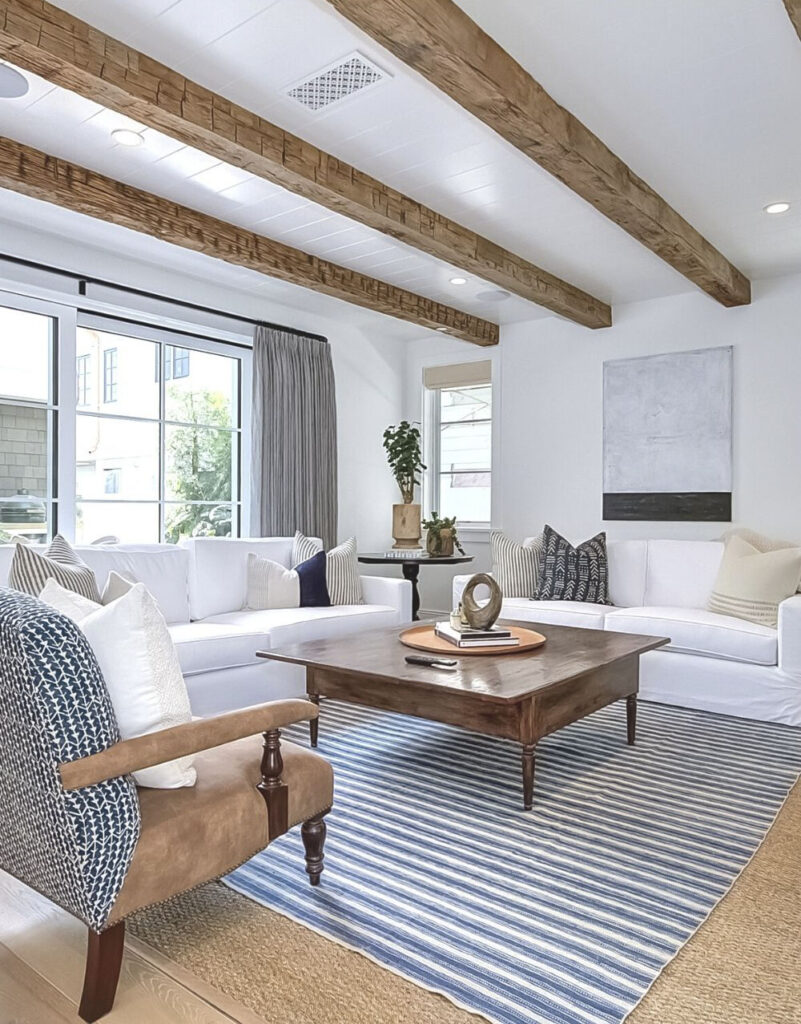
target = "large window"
x: 459, y: 441
x: 28, y: 412
x: 163, y: 463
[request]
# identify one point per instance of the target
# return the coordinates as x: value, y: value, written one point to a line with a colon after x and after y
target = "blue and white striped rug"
x: 563, y: 915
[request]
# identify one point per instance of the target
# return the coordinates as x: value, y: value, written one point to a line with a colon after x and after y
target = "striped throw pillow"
x: 341, y: 568
x: 751, y: 584
x: 515, y: 566
x: 31, y: 569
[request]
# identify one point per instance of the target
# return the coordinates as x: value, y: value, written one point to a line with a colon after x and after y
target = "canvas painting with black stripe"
x: 667, y: 438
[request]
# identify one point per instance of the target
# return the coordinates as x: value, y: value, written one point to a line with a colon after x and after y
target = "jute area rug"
x: 741, y: 967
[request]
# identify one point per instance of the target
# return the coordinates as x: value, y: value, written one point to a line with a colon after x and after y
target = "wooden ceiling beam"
x: 40, y: 176
x: 440, y: 41
x: 794, y: 10
x: 53, y: 44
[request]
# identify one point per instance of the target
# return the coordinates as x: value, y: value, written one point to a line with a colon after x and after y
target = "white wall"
x: 549, y: 413
x: 368, y: 360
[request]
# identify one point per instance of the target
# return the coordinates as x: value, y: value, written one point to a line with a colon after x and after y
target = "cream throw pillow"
x: 760, y: 541
x: 140, y: 667
x: 751, y: 583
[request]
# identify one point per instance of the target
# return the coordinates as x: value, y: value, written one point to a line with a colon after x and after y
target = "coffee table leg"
x: 528, y: 759
x: 314, y: 724
x: 631, y: 717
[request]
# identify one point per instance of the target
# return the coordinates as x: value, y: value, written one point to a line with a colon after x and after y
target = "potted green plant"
x: 441, y: 536
x: 402, y: 445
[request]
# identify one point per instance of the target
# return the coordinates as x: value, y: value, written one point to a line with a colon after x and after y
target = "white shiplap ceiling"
x: 700, y: 98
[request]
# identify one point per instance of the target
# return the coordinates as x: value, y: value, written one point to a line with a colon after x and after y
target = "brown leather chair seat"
x: 191, y: 835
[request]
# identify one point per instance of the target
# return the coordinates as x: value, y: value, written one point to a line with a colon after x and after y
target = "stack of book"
x: 464, y: 636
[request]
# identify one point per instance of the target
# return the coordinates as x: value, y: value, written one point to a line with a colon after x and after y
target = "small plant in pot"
x: 441, y: 536
x: 402, y: 445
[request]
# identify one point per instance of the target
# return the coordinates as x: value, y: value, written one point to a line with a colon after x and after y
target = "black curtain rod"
x: 83, y: 281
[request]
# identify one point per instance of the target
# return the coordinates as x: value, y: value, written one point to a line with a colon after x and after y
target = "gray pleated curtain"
x: 294, y: 464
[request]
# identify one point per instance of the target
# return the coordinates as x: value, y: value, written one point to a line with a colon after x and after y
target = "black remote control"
x: 429, y: 662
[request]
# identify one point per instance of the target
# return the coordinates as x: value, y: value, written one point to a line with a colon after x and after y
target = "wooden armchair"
x: 75, y: 827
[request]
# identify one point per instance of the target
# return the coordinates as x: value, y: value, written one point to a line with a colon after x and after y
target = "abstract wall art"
x: 667, y: 438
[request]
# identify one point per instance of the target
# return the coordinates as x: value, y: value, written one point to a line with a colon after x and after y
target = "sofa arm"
x: 790, y: 635
x: 182, y: 740
x: 460, y: 582
x: 386, y: 590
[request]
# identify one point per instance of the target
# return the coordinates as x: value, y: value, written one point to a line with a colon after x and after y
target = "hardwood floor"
x: 41, y: 972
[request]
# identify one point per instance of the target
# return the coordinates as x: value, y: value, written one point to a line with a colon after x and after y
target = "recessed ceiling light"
x: 126, y: 137
x: 441, y: 328
x: 458, y: 280
x: 777, y: 208
x: 12, y: 83
x: 494, y: 295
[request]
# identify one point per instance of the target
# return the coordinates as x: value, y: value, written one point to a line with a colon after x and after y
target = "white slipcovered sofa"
x: 713, y: 662
x: 200, y: 587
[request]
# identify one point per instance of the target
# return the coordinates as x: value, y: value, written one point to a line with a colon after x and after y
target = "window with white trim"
x: 91, y: 445
x: 28, y: 423
x: 458, y: 436
x: 164, y: 463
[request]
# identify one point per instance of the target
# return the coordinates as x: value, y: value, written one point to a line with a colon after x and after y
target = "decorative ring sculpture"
x: 481, y: 616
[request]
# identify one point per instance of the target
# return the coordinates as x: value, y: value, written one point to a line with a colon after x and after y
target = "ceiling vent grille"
x: 338, y: 81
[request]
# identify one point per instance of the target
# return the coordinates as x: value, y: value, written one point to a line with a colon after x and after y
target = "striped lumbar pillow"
x: 515, y: 566
x: 751, y: 584
x: 31, y: 569
x: 341, y: 568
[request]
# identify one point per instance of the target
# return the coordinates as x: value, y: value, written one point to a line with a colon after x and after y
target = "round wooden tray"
x: 423, y: 638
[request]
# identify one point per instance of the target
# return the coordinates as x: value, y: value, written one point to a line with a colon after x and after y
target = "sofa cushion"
x: 559, y: 613
x: 681, y: 573
x: 163, y: 568
x: 696, y: 631
x: 628, y: 563
x: 293, y: 625
x: 209, y: 647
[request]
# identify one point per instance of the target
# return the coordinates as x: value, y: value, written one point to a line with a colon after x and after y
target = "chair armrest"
x: 181, y: 740
x: 386, y: 590
x: 790, y: 635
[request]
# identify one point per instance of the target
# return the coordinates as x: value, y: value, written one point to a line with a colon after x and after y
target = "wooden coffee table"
x: 521, y: 697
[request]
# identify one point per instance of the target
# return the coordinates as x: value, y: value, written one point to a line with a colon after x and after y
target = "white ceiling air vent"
x: 352, y: 74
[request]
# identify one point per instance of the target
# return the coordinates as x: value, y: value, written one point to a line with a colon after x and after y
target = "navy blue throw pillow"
x: 313, y: 588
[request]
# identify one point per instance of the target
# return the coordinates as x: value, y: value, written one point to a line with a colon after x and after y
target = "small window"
x: 111, y: 481
x: 110, y: 375
x: 176, y: 362
x: 459, y: 441
x: 83, y: 370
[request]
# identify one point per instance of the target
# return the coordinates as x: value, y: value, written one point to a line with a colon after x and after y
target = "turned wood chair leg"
x: 313, y: 834
x: 103, y: 962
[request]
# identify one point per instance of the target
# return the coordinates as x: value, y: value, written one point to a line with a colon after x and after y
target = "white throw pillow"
x: 140, y: 667
x: 271, y: 585
x: 74, y: 606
